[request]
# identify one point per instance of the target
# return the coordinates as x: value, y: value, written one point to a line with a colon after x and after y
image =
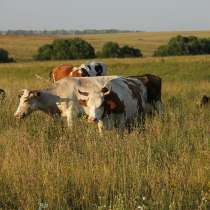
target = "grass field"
x: 165, y: 168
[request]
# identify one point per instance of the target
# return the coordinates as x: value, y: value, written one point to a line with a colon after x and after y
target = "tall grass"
x: 42, y: 162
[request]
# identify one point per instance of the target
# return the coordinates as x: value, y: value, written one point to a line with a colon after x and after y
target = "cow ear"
x: 83, y: 102
x: 111, y: 104
x: 36, y: 93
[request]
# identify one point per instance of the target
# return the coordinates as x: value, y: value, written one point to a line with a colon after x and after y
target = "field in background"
x: 166, y: 167
x: 24, y: 47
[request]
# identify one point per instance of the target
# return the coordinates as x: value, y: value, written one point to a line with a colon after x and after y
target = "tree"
x: 127, y: 51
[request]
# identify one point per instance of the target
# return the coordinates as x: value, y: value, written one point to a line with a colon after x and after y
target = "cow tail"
x: 50, y: 75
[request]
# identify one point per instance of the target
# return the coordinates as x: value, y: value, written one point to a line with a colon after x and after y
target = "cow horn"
x: 42, y: 78
x: 83, y: 93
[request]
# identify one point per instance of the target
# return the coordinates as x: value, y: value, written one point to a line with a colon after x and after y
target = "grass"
x: 22, y: 48
x: 166, y: 167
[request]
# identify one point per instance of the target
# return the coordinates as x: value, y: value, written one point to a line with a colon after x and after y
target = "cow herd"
x: 112, y: 102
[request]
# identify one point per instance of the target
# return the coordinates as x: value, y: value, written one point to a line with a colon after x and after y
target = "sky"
x: 144, y: 15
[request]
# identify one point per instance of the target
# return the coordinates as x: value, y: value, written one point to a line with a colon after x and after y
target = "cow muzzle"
x: 92, y: 120
x: 19, y: 116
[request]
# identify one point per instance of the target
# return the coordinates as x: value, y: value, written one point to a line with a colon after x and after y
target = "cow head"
x: 29, y: 102
x: 100, y: 103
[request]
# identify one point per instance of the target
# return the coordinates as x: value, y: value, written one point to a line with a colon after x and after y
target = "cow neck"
x: 47, y: 102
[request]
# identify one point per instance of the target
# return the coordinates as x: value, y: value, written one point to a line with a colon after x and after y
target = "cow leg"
x: 100, y: 127
x: 71, y: 115
x: 105, y: 124
x: 141, y: 122
x: 120, y: 124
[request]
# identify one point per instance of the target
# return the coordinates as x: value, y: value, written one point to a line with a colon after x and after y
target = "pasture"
x: 165, y: 167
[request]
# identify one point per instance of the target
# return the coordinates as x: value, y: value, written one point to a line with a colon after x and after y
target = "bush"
x: 113, y: 50
x: 181, y: 45
x: 66, y: 49
x: 127, y: 51
x: 4, y: 56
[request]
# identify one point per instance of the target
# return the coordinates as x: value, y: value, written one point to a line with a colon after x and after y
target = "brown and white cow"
x: 63, y: 93
x: 85, y: 70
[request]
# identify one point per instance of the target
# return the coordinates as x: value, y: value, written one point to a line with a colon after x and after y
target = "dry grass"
x: 22, y: 48
x: 166, y: 167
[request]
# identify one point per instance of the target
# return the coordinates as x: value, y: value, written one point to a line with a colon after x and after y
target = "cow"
x: 204, y: 101
x: 118, y: 104
x: 85, y: 70
x: 150, y: 84
x: 2, y: 94
x: 63, y: 93
x: 61, y: 71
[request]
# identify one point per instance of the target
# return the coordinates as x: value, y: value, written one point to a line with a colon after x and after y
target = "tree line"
x: 63, y: 32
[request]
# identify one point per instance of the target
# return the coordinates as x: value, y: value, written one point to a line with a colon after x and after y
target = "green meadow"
x: 166, y: 167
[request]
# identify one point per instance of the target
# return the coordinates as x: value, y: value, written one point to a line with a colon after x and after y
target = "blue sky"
x: 147, y: 15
